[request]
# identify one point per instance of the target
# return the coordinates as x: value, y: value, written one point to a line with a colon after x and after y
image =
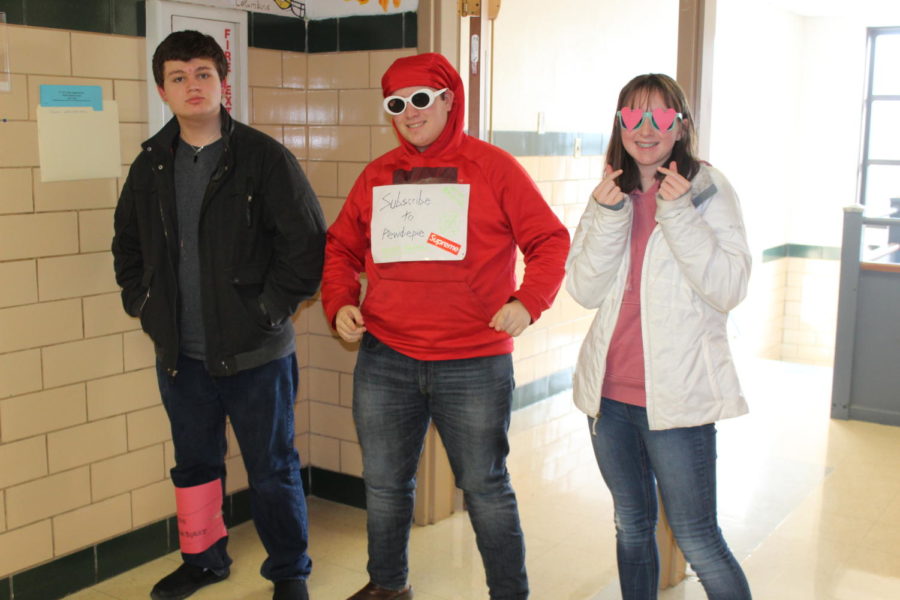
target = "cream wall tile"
x: 301, y: 443
x: 23, y: 461
x: 127, y: 472
x: 301, y: 317
x: 331, y: 354
x: 25, y: 547
x: 169, y: 451
x: 263, y: 67
x: 131, y: 96
x: 131, y: 135
x: 567, y: 192
x: 18, y: 144
x: 147, y: 427
x: 95, y: 230
x: 346, y: 389
x: 46, y: 497
x: 339, y: 143
x: 318, y: 323
x: 2, y: 513
x: 104, y: 315
x: 331, y: 207
x: 531, y: 164
x: 36, y: 81
x: 331, y: 421
x: 152, y: 503
x: 324, y: 386
x: 323, y: 177
x: 276, y: 132
x: 362, y: 107
x: 31, y: 414
x: 380, y: 61
x: 91, y: 524
x: 325, y: 453
x: 111, y: 56
x: 348, y: 172
x: 552, y: 168
x: 78, y: 275
x: 39, y: 51
x: 15, y: 191
x: 19, y: 283
x: 301, y: 417
x: 384, y: 139
x: 84, y: 444
x: 82, y: 361
x: 39, y: 324
x: 351, y: 459
x: 237, y: 475
x: 20, y: 372
x: 122, y: 394
x: 29, y: 236
x: 276, y: 106
x: 67, y: 195
x: 295, y: 141
x: 293, y: 69
x: 338, y: 70
x: 322, y: 107
x: 14, y: 103
x: 139, y: 351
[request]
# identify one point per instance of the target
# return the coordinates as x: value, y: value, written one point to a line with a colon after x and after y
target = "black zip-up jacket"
x: 261, y: 246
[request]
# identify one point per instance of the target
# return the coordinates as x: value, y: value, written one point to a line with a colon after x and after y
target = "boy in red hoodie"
x: 434, y: 224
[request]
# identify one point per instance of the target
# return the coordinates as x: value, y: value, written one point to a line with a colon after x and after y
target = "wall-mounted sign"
x: 316, y: 9
x: 227, y: 26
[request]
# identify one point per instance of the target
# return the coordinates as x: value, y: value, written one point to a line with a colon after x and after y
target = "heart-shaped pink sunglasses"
x: 662, y: 119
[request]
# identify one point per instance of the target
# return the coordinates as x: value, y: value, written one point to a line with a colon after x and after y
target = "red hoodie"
x: 438, y: 310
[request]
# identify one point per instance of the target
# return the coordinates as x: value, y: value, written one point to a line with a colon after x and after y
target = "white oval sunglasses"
x: 422, y: 99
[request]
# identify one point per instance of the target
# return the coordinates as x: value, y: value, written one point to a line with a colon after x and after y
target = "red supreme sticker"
x: 443, y: 243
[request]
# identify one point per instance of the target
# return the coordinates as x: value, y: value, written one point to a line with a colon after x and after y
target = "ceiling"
x: 885, y: 11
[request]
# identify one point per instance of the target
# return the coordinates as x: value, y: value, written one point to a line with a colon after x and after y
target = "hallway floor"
x: 809, y: 505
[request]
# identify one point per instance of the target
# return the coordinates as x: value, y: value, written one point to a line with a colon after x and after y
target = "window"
x: 880, y: 175
x: 879, y: 189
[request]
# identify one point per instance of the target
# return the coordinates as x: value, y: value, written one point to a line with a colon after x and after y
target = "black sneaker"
x: 184, y: 581
x: 290, y: 589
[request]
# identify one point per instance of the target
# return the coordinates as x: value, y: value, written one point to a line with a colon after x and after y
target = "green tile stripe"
x: 551, y: 143
x: 128, y: 17
x: 801, y: 251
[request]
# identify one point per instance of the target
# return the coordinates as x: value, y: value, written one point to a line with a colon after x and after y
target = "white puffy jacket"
x: 695, y: 270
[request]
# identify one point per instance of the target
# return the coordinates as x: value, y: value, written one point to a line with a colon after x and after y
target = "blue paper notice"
x: 72, y: 95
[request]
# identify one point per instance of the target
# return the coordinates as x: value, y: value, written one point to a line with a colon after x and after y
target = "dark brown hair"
x: 684, y: 152
x: 185, y: 46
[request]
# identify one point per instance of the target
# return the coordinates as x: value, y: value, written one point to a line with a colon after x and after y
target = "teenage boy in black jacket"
x: 218, y: 238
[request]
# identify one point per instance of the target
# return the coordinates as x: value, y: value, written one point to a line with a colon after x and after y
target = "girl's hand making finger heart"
x: 607, y: 192
x: 673, y: 184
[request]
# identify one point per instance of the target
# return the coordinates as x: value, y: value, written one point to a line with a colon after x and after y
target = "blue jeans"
x: 632, y: 459
x: 260, y: 404
x: 394, y: 397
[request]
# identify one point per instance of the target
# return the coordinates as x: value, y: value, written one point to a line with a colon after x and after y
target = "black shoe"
x: 290, y: 589
x: 184, y: 581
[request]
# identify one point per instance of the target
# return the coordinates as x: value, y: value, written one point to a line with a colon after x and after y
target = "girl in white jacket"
x: 661, y: 253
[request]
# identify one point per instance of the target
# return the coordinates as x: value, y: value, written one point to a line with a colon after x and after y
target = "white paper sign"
x: 419, y: 222
x: 78, y: 142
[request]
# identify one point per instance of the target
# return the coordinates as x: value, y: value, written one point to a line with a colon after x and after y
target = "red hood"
x: 432, y: 70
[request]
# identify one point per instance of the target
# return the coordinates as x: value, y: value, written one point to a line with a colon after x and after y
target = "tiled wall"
x: 791, y: 308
